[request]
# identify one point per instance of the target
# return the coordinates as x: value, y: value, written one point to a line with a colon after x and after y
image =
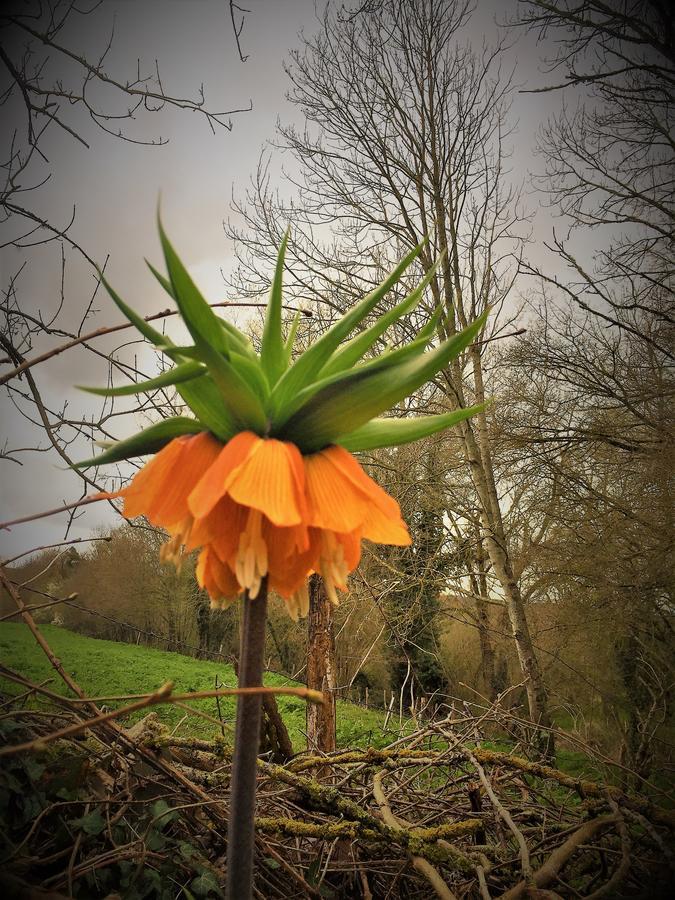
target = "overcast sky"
x: 114, y: 186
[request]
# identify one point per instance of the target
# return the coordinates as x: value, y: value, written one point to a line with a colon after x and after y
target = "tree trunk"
x: 495, y: 542
x: 320, y: 668
x: 487, y: 650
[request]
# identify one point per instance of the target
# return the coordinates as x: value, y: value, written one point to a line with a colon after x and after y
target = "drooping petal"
x: 267, y: 481
x: 383, y: 529
x: 382, y: 523
x: 289, y: 570
x: 283, y: 543
x: 220, y: 529
x: 349, y: 466
x: 334, y: 502
x: 161, y: 488
x: 213, y: 483
x: 217, y: 578
x: 351, y: 548
x: 147, y: 486
x: 173, y: 550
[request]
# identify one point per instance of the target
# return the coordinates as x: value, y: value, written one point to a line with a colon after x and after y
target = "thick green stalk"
x: 240, y: 831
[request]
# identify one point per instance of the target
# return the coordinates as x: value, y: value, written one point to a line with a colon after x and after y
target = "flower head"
x: 259, y: 508
x: 261, y: 479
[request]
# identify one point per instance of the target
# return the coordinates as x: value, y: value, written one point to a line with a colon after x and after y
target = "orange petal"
x: 287, y: 575
x: 347, y: 464
x: 383, y: 523
x: 382, y: 529
x: 160, y: 490
x: 334, y: 502
x: 351, y: 546
x: 298, y: 472
x: 218, y: 579
x: 221, y: 528
x: 148, y: 484
x: 213, y: 484
x: 266, y: 480
x: 284, y: 542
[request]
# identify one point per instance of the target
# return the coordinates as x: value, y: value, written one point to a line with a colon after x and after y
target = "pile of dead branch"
x: 91, y: 809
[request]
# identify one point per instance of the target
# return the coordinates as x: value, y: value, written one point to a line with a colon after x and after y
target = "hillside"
x: 107, y: 668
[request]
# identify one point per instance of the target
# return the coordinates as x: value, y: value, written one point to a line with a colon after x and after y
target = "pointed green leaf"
x: 389, y: 358
x: 308, y: 365
x: 393, y: 432
x: 155, y: 337
x: 290, y: 340
x: 272, y: 348
x: 238, y: 340
x: 163, y: 280
x: 183, y: 372
x: 202, y: 322
x: 364, y: 393
x: 241, y: 402
x: 236, y: 393
x: 204, y: 399
x: 150, y: 440
x: 251, y: 371
x: 359, y: 345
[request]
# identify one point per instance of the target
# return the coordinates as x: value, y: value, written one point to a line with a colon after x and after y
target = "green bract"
x: 328, y: 395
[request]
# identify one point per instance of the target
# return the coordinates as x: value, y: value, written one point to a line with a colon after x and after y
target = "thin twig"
x: 422, y: 865
x: 506, y: 816
x: 111, y: 329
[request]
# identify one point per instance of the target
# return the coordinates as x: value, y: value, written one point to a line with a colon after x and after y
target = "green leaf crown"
x: 328, y: 395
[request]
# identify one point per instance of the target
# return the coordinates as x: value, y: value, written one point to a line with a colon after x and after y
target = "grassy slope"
x: 105, y: 668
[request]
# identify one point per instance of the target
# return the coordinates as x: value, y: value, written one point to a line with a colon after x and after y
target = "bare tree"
x: 609, y: 159
x: 50, y: 87
x: 605, y: 339
x: 405, y: 137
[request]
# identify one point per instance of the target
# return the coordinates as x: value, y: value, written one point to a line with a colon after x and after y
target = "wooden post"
x: 320, y: 668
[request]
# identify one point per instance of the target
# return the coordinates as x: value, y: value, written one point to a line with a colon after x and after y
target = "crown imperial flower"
x: 262, y: 479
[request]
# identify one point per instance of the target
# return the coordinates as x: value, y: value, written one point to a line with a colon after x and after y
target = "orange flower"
x: 161, y: 488
x: 259, y: 508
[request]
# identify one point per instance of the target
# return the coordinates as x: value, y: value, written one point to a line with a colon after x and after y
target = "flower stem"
x: 240, y: 831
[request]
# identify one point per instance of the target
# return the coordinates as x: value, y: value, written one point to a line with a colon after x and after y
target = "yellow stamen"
x: 173, y: 550
x: 332, y: 565
x: 298, y: 603
x: 251, y: 561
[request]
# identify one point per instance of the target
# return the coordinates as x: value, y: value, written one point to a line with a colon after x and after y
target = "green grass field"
x: 104, y: 668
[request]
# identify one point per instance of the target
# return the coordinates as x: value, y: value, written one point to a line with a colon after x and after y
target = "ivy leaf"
x: 162, y: 813
x: 205, y: 884
x: 92, y: 823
